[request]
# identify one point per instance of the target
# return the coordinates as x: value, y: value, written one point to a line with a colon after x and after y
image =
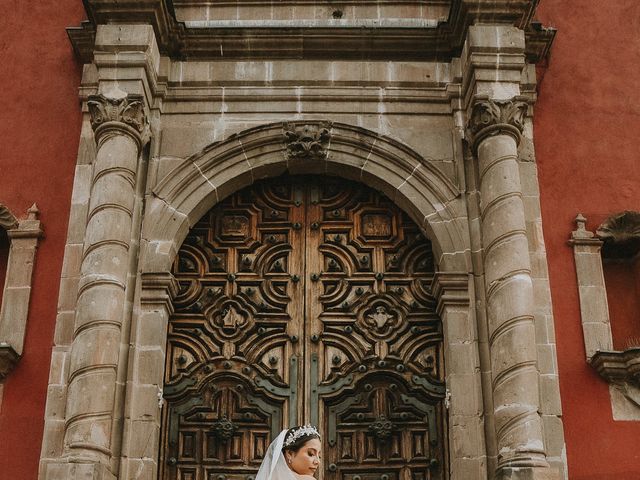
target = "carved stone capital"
x: 496, y: 117
x: 308, y: 141
x: 125, y: 113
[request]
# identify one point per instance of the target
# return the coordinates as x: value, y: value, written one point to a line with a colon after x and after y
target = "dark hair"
x: 300, y: 441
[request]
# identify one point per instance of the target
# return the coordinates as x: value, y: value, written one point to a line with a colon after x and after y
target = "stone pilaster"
x: 23, y: 237
x: 464, y: 388
x: 119, y: 124
x: 594, y: 308
x: 495, y: 128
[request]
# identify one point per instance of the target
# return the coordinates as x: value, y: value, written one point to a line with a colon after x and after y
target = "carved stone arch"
x: 183, y: 196
x: 311, y: 147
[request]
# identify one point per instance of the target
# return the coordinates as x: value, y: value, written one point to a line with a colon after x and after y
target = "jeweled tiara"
x: 299, y: 433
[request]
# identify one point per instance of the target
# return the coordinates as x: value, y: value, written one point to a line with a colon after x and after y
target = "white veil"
x: 274, y: 466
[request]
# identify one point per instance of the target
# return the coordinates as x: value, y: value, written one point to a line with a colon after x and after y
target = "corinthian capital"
x: 495, y: 117
x: 125, y: 112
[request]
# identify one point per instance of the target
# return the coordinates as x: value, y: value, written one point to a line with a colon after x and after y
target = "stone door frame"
x: 190, y: 190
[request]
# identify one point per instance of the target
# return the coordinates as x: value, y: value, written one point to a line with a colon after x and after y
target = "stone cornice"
x: 493, y: 117
x: 262, y: 39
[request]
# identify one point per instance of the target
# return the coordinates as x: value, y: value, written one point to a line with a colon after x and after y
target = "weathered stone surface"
x: 218, y: 125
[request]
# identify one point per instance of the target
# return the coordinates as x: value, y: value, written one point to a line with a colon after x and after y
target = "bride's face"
x: 306, y: 460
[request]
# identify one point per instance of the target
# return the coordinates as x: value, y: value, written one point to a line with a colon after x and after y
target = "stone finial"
x: 492, y: 117
x: 581, y: 231
x: 307, y: 142
x: 33, y: 213
x: 113, y: 110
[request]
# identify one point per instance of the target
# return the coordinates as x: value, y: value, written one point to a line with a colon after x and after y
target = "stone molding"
x: 441, y: 41
x: 159, y: 289
x: 23, y: 237
x: 450, y: 289
x: 496, y: 117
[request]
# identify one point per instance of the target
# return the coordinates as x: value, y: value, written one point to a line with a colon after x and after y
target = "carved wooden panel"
x: 304, y: 300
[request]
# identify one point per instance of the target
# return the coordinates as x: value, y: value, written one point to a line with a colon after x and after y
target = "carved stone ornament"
x: 7, y: 219
x: 618, y: 367
x: 128, y: 109
x: 621, y: 235
x: 494, y: 117
x: 307, y: 142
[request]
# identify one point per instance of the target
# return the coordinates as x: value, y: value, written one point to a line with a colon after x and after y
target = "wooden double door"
x: 304, y: 300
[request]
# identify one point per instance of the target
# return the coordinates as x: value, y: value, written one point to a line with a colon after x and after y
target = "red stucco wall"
x: 586, y: 137
x: 586, y: 129
x: 39, y: 127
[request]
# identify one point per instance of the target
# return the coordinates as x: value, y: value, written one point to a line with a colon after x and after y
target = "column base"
x: 76, y: 471
x: 528, y: 473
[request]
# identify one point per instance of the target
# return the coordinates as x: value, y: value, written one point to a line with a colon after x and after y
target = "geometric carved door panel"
x: 304, y: 299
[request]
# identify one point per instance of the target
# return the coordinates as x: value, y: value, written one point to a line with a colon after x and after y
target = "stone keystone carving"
x: 494, y: 117
x: 307, y: 142
x: 128, y: 110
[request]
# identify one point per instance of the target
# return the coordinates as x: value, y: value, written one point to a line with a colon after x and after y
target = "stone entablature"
x: 222, y: 33
x: 187, y: 11
x: 219, y: 118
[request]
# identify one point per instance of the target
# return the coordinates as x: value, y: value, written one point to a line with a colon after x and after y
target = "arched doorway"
x: 305, y: 299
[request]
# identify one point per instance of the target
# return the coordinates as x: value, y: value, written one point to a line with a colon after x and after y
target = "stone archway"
x: 350, y: 152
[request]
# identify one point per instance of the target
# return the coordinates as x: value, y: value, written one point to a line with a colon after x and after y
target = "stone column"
x: 495, y: 128
x: 119, y: 124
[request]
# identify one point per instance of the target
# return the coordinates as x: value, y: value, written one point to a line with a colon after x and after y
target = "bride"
x: 293, y: 455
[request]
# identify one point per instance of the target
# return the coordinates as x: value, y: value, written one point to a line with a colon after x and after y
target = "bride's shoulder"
x: 304, y: 477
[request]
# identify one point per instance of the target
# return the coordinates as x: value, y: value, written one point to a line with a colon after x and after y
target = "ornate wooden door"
x: 302, y: 300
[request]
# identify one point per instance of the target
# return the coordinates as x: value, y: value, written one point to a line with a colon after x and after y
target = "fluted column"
x: 495, y: 128
x: 119, y: 124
